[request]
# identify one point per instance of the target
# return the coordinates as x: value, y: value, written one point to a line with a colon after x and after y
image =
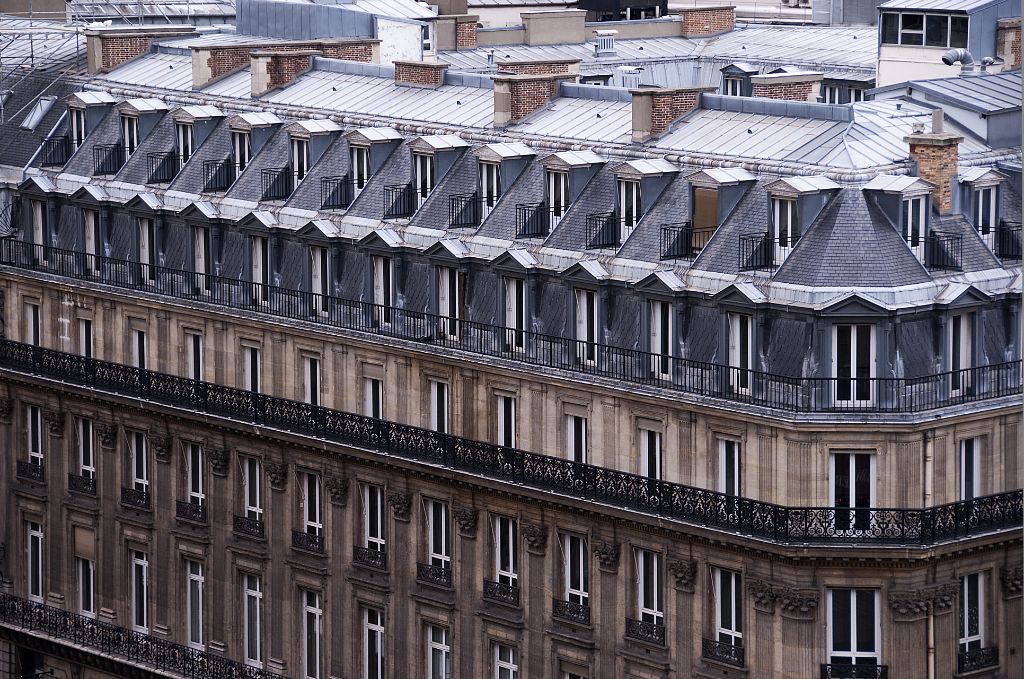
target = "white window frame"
x: 39, y: 232
x: 194, y: 603
x: 439, y: 406
x: 986, y: 212
x: 852, y: 656
x: 972, y: 598
x: 439, y: 541
x: 194, y: 356
x: 374, y: 526
x: 576, y: 569
x: 300, y: 158
x: 660, y: 331
x: 77, y: 127
x: 587, y: 314
x: 728, y: 596
x: 506, y: 550
x: 785, y: 229
x: 576, y: 438
x: 830, y: 94
x: 490, y: 186
x: 140, y: 349
x: 312, y: 504
x: 260, y: 267
x: 856, y: 94
x: 730, y: 470
x: 359, y: 157
x: 129, y: 134
x: 383, y: 289
x: 201, y: 257
x: 195, y: 474
x: 34, y: 434
x: 856, y: 389
x: 85, y: 569
x: 732, y: 87
x: 649, y: 584
x: 970, y: 468
x: 449, y: 300
x: 251, y: 368
x: 311, y: 380
x: 373, y: 395
x: 559, y: 202
x: 741, y: 352
x: 85, y: 344
x: 914, y: 224
x: 241, y: 149
x: 252, y: 487
x: 515, y: 313
x: 854, y: 522
x: 140, y: 591
x: 34, y: 558
x: 252, y: 590
x: 506, y: 421
x: 423, y: 176
x: 185, y: 137
x: 439, y: 652
x: 93, y: 239
x: 506, y: 662
x: 86, y: 448
x: 960, y: 349
x: 630, y: 206
x: 320, y: 277
x: 32, y: 324
x: 138, y: 454
x: 650, y: 450
x: 373, y: 643
x: 312, y: 629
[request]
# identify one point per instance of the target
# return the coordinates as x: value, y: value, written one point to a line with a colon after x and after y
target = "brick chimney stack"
x: 787, y: 86
x: 272, y: 69
x: 518, y: 95
x: 656, y: 108
x: 1008, y: 42
x: 107, y: 47
x: 704, y: 22
x: 935, y: 154
x: 428, y: 74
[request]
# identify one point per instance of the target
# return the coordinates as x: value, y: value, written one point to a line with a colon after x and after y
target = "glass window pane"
x: 865, y: 620
x: 841, y: 620
x: 937, y: 32
x: 958, y: 32
x: 890, y: 28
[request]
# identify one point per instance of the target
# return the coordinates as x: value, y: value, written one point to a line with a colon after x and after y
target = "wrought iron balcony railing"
x: 943, y: 251
x: 501, y: 592
x: 759, y: 520
x: 336, y: 192
x: 121, y: 644
x: 757, y: 251
x: 854, y: 672
x: 570, y: 611
x: 190, y: 511
x: 682, y: 241
x: 977, y: 659
x: 434, y: 574
x: 371, y: 558
x: 244, y: 525
x: 706, y: 380
x: 135, y: 498
x: 399, y: 201
x: 108, y: 158
x: 648, y: 632
x: 219, y: 175
x: 602, y: 231
x: 464, y: 211
x: 1008, y: 242
x: 55, y: 151
x: 278, y: 182
x: 533, y: 220
x: 163, y: 167
x: 31, y: 471
x: 82, y: 484
x: 723, y: 652
x: 308, y: 542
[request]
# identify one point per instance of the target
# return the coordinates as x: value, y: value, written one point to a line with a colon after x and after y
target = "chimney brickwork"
x: 518, y: 95
x: 272, y: 69
x: 1008, y: 42
x: 108, y: 48
x: 936, y: 155
x: 787, y: 86
x: 213, y: 62
x: 703, y: 22
x: 465, y: 33
x: 655, y: 109
x: 548, y: 67
x: 420, y: 73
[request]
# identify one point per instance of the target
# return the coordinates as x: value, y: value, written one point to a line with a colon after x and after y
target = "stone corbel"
x: 161, y: 447
x: 400, y: 504
x: 337, y: 489
x: 466, y: 518
x: 277, y: 472
x: 54, y: 422
x: 1011, y: 581
x: 607, y: 555
x: 220, y: 460
x: 536, y: 537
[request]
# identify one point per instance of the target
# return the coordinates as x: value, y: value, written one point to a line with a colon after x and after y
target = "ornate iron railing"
x: 761, y: 520
x: 602, y: 231
x: 707, y: 380
x: 723, y: 652
x: 977, y: 659
x: 219, y: 175
x: 190, y: 511
x: 943, y: 251
x: 55, y: 151
x: 757, y: 251
x: 570, y: 611
x: 135, y: 498
x: 371, y: 558
x: 682, y: 241
x: 32, y: 471
x: 464, y: 211
x: 108, y: 158
x: 122, y: 644
x: 533, y: 220
x: 278, y: 182
x: 308, y: 542
x: 648, y: 632
x: 501, y: 592
x: 399, y: 201
x: 163, y: 167
x: 854, y: 672
x: 336, y: 192
x: 1008, y: 243
x: 244, y: 525
x: 82, y: 484
x: 434, y: 575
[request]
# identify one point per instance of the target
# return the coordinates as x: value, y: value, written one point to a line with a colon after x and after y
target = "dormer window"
x: 423, y: 176
x: 490, y: 187
x: 732, y: 87
x: 630, y: 209
x: 784, y: 225
x: 830, y: 94
x: 558, y: 194
x: 183, y: 133
x: 914, y: 223
x: 360, y: 160
x: 130, y: 134
x: 77, y: 127
x: 985, y: 209
x: 241, y: 149
x: 300, y: 158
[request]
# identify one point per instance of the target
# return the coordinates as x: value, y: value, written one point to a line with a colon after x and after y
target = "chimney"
x: 452, y: 33
x: 517, y: 96
x: 545, y: 67
x: 803, y: 86
x: 212, y: 62
x: 272, y: 69
x: 704, y: 22
x: 655, y: 109
x: 555, y: 27
x: 935, y: 154
x: 107, y: 47
x: 604, y: 43
x: 1008, y: 42
x: 428, y: 74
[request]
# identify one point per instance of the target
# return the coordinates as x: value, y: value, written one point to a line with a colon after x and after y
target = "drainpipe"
x: 931, y: 641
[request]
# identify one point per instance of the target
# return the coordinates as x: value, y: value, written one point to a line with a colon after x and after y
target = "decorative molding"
x: 607, y: 554
x: 535, y: 535
x: 466, y: 518
x: 337, y: 489
x: 54, y: 422
x: 1011, y: 579
x: 798, y: 604
x: 161, y: 447
x: 277, y: 472
x: 683, y: 572
x: 107, y: 432
x: 220, y: 460
x: 944, y: 597
x: 6, y: 410
x: 762, y: 594
x: 911, y: 605
x: 400, y: 505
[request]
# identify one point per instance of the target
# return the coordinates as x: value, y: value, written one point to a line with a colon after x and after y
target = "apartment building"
x: 321, y: 368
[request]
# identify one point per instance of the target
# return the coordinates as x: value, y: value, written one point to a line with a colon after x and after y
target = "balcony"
x: 501, y: 593
x: 31, y: 471
x: 977, y: 659
x: 434, y: 575
x: 399, y: 201
x: 308, y: 542
x: 854, y: 672
x: 682, y: 241
x: 602, y: 231
x: 464, y: 211
x: 370, y: 558
x: 533, y: 220
x: 190, y: 511
x: 570, y: 611
x: 1008, y: 240
x: 249, y: 527
x: 108, y: 158
x: 135, y: 498
x: 336, y: 193
x: 647, y: 632
x: 757, y: 251
x: 943, y: 251
x: 716, y: 511
x: 219, y: 175
x: 55, y: 151
x: 723, y: 652
x: 86, y: 485
x: 163, y: 167
x: 278, y: 182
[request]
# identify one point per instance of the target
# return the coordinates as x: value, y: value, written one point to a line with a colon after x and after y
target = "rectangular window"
x: 196, y: 468
x: 450, y: 300
x: 360, y: 159
x: 937, y: 30
x: 320, y: 277
x: 586, y: 326
x: 241, y: 149
x: 251, y: 368
x: 985, y: 209
x: 311, y: 380
x: 35, y: 561
x: 439, y: 652
x: 77, y: 127
x: 423, y: 176
x: 383, y: 289
x: 201, y: 257
x: 853, y: 362
x: 784, y: 226
x: 196, y: 587
x: 34, y: 434
x: 507, y: 421
x: 300, y: 158
x: 506, y: 662
x: 140, y: 587
x: 705, y: 209
x: 32, y: 324
x: 86, y: 587
x: 85, y: 337
x: 854, y: 633
x: 253, y: 592
x: 515, y: 313
x: 312, y: 617
x: 139, y: 353
x: 185, y: 142
x: 558, y: 195
x: 93, y: 240
x: 650, y: 453
x: 732, y: 87
x: 373, y: 643
x: 138, y: 456
x: 260, y: 249
x: 506, y: 550
x: 913, y: 221
x: 729, y: 468
x: 576, y: 438
x: 193, y: 356
x: 252, y: 487
x: 741, y: 352
x: 373, y: 518
x: 373, y: 395
x: 972, y: 612
x: 490, y: 187
x: 830, y: 94
x: 890, y: 28
x: 577, y: 569
x: 856, y: 94
x: 728, y: 592
x: 129, y: 134
x: 661, y: 337
x: 630, y: 207
x: 970, y: 478
x: 649, y: 584
x: 961, y: 335
x: 86, y: 449
x: 39, y: 235
x: 911, y: 29
x: 852, y: 490
x: 314, y: 518
x: 438, y: 534
x: 439, y: 406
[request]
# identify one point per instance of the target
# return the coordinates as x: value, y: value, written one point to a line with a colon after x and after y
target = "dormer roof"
x: 139, y: 106
x: 438, y: 142
x: 499, y: 152
x: 981, y: 175
x: 253, y: 119
x: 369, y: 135
x: 645, y: 167
x: 190, y: 113
x: 894, y: 183
x: 799, y: 185
x: 569, y: 159
x: 313, y: 126
x: 91, y: 99
x: 720, y: 176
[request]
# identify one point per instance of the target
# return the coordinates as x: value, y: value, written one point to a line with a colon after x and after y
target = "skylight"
x: 38, y: 112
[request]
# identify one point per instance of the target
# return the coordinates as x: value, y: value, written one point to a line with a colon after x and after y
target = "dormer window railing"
x: 1008, y: 240
x: 533, y: 220
x: 682, y: 241
x: 399, y: 201
x: 219, y: 175
x: 163, y: 167
x: 108, y: 158
x: 757, y: 251
x: 336, y: 193
x: 56, y: 151
x: 602, y: 231
x: 464, y: 211
x: 278, y: 182
x: 943, y: 251
x: 77, y: 127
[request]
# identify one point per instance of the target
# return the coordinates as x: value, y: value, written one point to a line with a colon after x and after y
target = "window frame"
x: 359, y: 159
x: 312, y: 504
x: 559, y: 201
x: 650, y: 450
x: 970, y: 468
x: 438, y: 650
x: 373, y: 642
x: 195, y: 603
x: 728, y: 603
x: 383, y: 289
x: 252, y: 487
x: 506, y: 662
x: 311, y: 380
x: 587, y: 316
x: 576, y: 438
x: 35, y: 569
x: 373, y: 395
x: 490, y: 186
x: 252, y: 627
x: 252, y: 364
x: 320, y: 277
x: 86, y: 447
x: 439, y: 539
x: 630, y: 203
x: 661, y: 335
x: 140, y: 590
x: 856, y: 389
x: 424, y: 179
x: 515, y: 298
x: 185, y: 137
x: 439, y: 406
x: 129, y: 133
x: 575, y: 569
x: 374, y: 517
x: 138, y: 442
x: 972, y: 596
x: 85, y: 569
x: 506, y: 549
x: 650, y: 599
x: 241, y: 149
x: 741, y: 351
x: 730, y: 459
x: 193, y: 355
x: 312, y: 630
x: 506, y: 420
x: 195, y: 473
x: 34, y: 434
x: 830, y: 632
x: 77, y: 127
x: 299, y: 153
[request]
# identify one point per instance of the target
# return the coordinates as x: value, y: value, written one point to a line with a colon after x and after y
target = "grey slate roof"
x: 722, y: 252
x: 975, y: 255
x: 275, y: 153
x: 597, y: 198
x: 333, y: 163
x: 673, y: 207
x: 217, y: 146
x: 159, y: 140
x: 938, y: 5
x: 527, y: 188
x: 108, y: 131
x: 396, y: 170
x: 461, y: 179
x: 17, y: 146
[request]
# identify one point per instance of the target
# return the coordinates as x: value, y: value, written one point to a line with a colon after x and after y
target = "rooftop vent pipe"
x: 963, y: 56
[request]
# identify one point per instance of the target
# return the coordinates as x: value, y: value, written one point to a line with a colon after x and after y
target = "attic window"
x: 37, y: 113
x: 932, y: 30
x: 732, y: 87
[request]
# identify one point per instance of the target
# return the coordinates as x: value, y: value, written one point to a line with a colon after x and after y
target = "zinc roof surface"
x: 947, y: 5
x: 40, y: 44
x: 169, y: 71
x: 237, y: 85
x: 179, y: 9
x: 581, y: 119
x: 986, y: 94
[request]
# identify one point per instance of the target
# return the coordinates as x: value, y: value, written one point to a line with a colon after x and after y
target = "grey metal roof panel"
x: 599, y: 121
x: 169, y: 71
x: 985, y: 93
x: 237, y: 86
x: 944, y: 5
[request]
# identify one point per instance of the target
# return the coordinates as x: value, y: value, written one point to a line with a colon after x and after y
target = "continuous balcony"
x: 806, y: 526
x: 705, y: 380
x: 110, y: 644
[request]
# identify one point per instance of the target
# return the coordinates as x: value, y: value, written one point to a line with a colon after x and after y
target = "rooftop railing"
x: 163, y: 167
x: 464, y: 211
x: 602, y: 231
x: 399, y: 201
x: 108, y: 158
x: 1008, y: 240
x: 336, y: 192
x: 706, y: 380
x: 533, y: 220
x: 757, y: 251
x: 808, y: 526
x: 278, y: 182
x: 943, y: 251
x: 56, y: 151
x: 219, y: 175
x: 682, y: 241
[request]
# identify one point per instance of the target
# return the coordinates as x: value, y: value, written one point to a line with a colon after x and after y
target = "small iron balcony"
x: 1008, y: 240
x: 135, y: 498
x: 723, y: 652
x: 163, y: 167
x: 501, y: 592
x: 244, y: 525
x: 31, y: 471
x: 854, y: 672
x: 336, y: 192
x: 190, y: 511
x: 464, y: 211
x: 278, y: 182
x: 977, y: 659
x: 399, y: 201
x: 533, y: 220
x: 371, y: 558
x: 434, y: 574
x: 85, y: 485
x: 648, y: 632
x: 219, y: 175
x: 308, y: 542
x: 757, y: 251
x: 108, y: 158
x: 56, y: 151
x: 682, y: 241
x: 943, y: 251
x: 602, y: 231
x: 570, y: 611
